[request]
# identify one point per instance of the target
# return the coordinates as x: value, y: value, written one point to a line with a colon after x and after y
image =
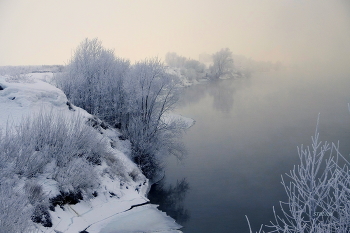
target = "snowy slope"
x: 115, y: 209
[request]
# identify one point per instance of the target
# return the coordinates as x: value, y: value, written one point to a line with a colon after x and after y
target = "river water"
x: 245, y: 137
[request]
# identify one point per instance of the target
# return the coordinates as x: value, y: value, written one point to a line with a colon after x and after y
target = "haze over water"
x: 246, y: 136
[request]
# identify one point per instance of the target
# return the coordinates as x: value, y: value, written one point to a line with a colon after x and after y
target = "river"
x: 245, y: 137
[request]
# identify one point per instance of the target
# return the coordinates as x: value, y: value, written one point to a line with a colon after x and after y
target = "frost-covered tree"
x: 94, y: 80
x: 222, y: 64
x: 190, y: 68
x: 151, y: 93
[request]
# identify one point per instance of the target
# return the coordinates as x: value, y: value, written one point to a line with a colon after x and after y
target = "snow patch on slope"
x: 20, y: 99
x: 25, y: 95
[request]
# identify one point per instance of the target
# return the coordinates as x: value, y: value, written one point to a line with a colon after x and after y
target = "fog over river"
x: 246, y: 136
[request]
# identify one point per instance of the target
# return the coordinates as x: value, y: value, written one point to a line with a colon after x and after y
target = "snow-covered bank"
x: 129, y: 213
x: 185, y: 122
x: 187, y: 82
x: 115, y: 204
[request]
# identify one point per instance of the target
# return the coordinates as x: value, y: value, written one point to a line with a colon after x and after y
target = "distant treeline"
x: 222, y: 64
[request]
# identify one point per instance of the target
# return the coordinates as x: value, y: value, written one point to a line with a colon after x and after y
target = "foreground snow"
x: 121, y: 205
x: 111, y: 214
x: 145, y: 218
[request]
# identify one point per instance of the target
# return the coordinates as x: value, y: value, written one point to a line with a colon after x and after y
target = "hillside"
x: 32, y: 113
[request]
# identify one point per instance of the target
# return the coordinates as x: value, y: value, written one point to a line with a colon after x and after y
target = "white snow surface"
x: 147, y: 217
x: 20, y: 98
x: 23, y: 96
x: 185, y: 122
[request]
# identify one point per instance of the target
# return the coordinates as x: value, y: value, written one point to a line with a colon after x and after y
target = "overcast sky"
x: 36, y: 32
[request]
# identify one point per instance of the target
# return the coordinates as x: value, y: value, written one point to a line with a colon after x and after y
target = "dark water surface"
x: 245, y: 137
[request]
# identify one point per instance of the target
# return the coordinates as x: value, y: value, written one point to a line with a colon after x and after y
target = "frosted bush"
x: 318, y: 191
x: 78, y: 175
x: 45, y: 137
x: 15, y: 211
x: 65, y: 144
x: 34, y: 192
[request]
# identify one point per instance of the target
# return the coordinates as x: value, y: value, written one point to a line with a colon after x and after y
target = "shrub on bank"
x: 48, y: 145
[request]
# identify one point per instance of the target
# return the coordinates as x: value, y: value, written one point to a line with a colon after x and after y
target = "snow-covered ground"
x: 185, y: 122
x: 121, y: 204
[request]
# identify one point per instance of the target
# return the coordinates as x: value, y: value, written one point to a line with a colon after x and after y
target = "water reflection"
x: 170, y: 199
x: 221, y: 91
